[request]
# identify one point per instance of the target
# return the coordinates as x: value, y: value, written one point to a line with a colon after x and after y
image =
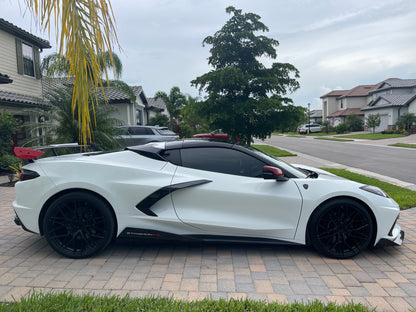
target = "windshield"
x: 280, y: 163
x: 165, y: 132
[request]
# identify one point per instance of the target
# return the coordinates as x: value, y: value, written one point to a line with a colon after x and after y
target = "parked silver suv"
x: 137, y: 135
x: 311, y: 127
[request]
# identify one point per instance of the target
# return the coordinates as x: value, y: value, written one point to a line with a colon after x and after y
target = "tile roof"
x: 346, y: 112
x: 113, y: 95
x: 23, y: 34
x: 316, y: 113
x: 16, y: 99
x: 5, y: 79
x: 361, y: 90
x: 391, y: 100
x: 158, y: 103
x: 395, y: 83
x: 334, y: 93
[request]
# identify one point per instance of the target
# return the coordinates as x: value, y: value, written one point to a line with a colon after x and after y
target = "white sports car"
x: 197, y: 190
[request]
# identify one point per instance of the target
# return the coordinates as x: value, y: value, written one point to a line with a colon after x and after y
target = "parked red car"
x: 216, y: 134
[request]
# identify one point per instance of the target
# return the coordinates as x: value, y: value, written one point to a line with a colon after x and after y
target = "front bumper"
x: 396, y: 238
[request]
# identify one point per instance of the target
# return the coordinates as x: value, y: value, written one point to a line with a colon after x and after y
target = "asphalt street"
x: 372, y: 156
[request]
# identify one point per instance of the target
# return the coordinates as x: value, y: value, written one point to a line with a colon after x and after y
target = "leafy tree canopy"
x: 373, y: 121
x: 406, y: 121
x: 243, y: 95
x: 174, y: 101
x: 8, y: 126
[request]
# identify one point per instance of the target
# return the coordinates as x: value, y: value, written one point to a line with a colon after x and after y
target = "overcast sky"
x: 334, y: 44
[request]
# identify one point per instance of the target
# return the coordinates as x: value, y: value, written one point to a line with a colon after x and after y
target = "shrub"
x: 8, y: 160
x: 354, y: 123
x: 341, y: 128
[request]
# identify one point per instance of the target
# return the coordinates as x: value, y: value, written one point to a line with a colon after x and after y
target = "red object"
x: 216, y: 134
x: 27, y: 153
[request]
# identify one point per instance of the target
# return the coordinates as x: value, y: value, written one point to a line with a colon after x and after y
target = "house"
x: 20, y: 75
x: 338, y: 104
x: 157, y: 106
x: 315, y: 116
x: 392, y: 98
x: 128, y: 112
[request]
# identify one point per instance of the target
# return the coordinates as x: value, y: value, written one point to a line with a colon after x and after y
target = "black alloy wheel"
x: 79, y: 225
x: 341, y: 229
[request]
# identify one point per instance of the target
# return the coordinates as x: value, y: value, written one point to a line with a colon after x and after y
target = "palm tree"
x: 56, y: 65
x: 175, y: 101
x: 60, y: 125
x: 86, y: 30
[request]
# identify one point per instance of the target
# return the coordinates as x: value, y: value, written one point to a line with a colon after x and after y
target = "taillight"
x: 28, y: 175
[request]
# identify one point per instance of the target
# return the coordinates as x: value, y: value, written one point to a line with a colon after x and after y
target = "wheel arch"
x: 373, y: 218
x: 48, y: 203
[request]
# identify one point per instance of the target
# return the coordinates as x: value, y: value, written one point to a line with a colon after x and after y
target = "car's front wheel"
x: 79, y: 225
x: 341, y: 229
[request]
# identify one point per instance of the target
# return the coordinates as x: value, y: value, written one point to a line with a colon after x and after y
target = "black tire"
x: 79, y: 225
x: 341, y: 229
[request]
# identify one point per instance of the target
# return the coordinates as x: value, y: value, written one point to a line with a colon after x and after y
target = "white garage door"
x: 384, y: 123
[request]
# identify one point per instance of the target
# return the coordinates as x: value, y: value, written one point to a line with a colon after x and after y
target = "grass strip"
x: 403, y: 145
x: 372, y: 136
x: 274, y: 151
x: 404, y: 197
x: 335, y: 139
x: 71, y: 302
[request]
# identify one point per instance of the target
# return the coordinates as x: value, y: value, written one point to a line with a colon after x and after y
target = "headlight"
x: 374, y: 190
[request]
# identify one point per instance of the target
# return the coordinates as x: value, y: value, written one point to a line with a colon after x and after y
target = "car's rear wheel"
x: 341, y: 229
x: 79, y: 225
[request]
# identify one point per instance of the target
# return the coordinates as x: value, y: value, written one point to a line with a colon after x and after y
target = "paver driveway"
x: 384, y: 278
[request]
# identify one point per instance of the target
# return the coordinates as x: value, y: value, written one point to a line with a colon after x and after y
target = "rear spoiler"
x: 27, y: 153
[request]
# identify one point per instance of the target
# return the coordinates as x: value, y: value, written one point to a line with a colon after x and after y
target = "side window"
x: 172, y: 156
x: 222, y: 160
x: 137, y: 131
x: 149, y: 131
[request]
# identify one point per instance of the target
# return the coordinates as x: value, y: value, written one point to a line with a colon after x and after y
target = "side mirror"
x: 273, y: 173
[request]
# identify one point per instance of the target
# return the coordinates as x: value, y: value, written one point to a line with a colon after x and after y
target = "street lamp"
x: 309, y: 116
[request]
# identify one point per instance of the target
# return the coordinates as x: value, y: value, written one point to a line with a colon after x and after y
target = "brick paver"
x: 383, y: 278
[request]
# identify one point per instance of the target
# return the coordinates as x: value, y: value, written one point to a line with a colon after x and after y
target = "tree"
x: 354, y: 123
x: 174, y: 103
x: 325, y: 125
x: 159, y: 120
x: 194, y: 117
x: 86, y: 30
x: 406, y: 121
x: 8, y: 126
x: 243, y: 94
x: 56, y: 65
x: 373, y: 121
x: 60, y: 125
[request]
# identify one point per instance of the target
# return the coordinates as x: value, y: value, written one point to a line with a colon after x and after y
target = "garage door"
x: 384, y: 123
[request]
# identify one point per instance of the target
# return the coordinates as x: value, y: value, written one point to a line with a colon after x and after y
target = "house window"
x: 139, y: 117
x: 28, y: 63
x: 342, y: 104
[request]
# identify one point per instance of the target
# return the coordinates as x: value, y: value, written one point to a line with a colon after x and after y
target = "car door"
x: 235, y: 199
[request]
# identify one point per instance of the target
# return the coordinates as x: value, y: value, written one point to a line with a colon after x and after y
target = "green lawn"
x: 274, y: 151
x: 371, y: 136
x: 71, y: 302
x: 404, y: 197
x: 335, y: 139
x: 403, y: 145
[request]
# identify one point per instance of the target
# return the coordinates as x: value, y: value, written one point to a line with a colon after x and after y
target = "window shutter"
x: 19, y: 56
x: 36, y: 62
